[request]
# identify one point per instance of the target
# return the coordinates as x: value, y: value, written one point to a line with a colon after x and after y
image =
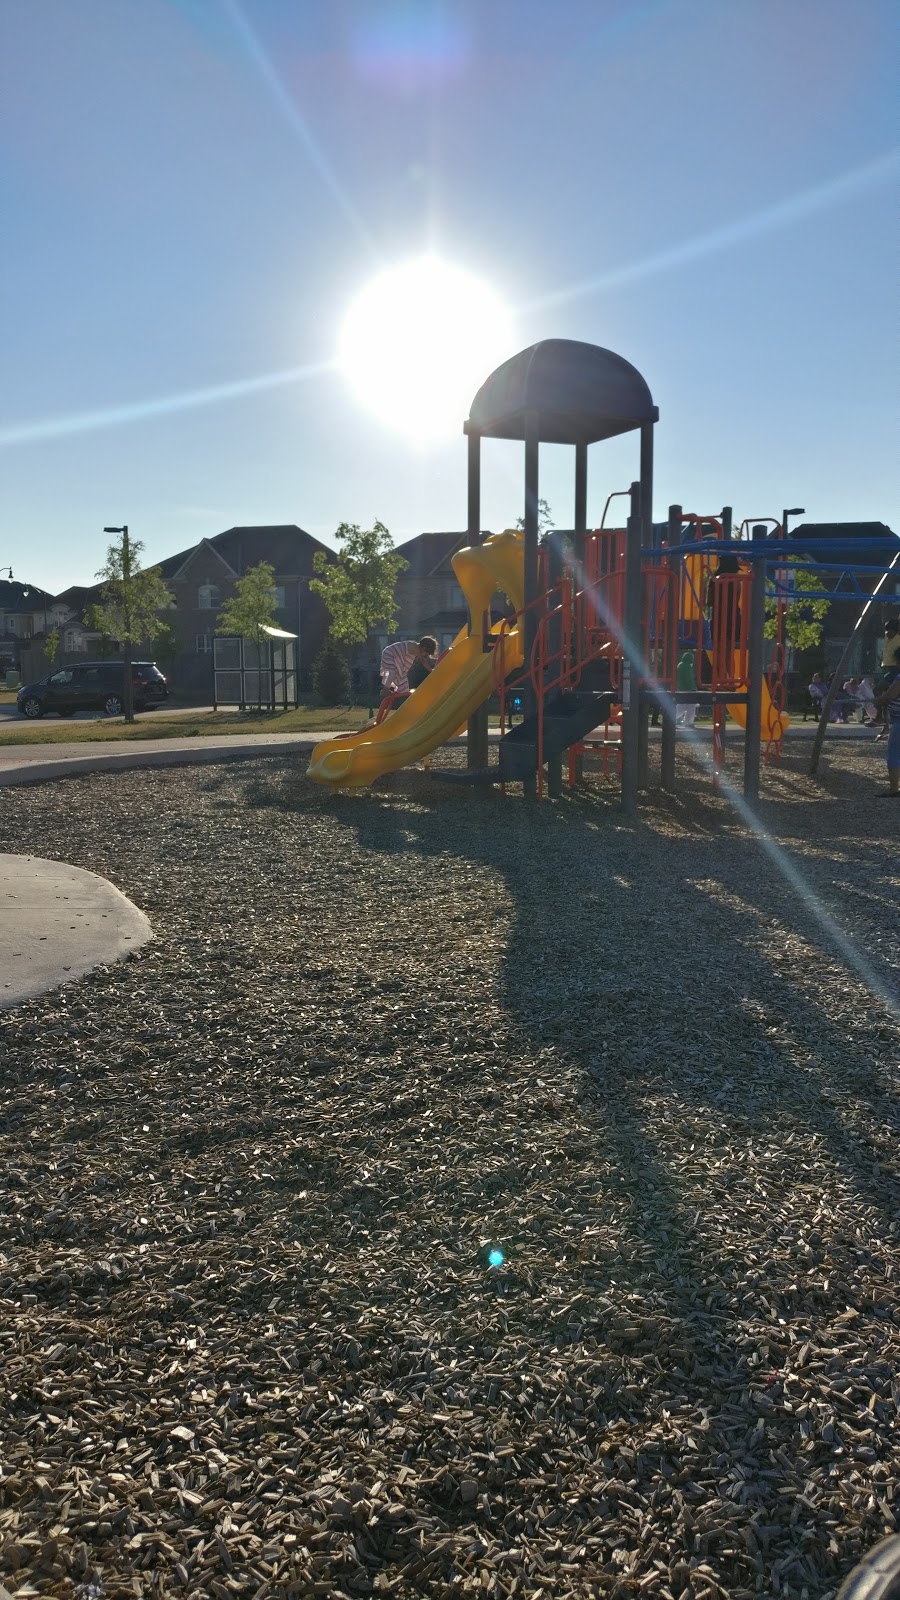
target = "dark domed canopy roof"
x: 580, y: 393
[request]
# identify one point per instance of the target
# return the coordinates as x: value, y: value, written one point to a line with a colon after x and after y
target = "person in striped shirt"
x: 397, y: 660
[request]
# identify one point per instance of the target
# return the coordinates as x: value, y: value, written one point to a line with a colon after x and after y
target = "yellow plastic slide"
x: 773, y: 724
x: 462, y: 680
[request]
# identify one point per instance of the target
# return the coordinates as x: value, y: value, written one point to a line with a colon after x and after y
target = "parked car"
x: 93, y: 686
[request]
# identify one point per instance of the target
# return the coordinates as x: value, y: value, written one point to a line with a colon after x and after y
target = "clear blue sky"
x: 193, y: 192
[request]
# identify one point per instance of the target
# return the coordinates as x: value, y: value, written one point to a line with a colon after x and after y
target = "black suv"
x: 93, y: 686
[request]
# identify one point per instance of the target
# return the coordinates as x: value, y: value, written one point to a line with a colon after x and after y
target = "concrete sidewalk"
x: 57, y: 923
x: 37, y: 763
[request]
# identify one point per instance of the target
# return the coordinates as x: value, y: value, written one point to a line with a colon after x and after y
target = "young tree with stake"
x: 251, y: 608
x: 358, y: 586
x: 131, y: 600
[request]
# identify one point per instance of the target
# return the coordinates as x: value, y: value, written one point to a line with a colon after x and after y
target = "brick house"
x: 202, y: 578
x: 852, y: 542
x: 429, y: 599
x: 26, y: 614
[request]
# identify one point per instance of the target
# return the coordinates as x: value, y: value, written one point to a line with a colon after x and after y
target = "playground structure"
x: 598, y: 617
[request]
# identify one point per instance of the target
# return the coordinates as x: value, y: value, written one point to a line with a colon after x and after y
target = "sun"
x: 418, y: 342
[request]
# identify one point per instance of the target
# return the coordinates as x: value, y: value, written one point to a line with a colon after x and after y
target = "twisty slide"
x: 774, y: 724
x: 462, y: 680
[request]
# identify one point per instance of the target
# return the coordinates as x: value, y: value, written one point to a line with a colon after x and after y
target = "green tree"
x: 804, y: 620
x: 131, y: 600
x: 358, y: 586
x: 50, y: 647
x: 251, y: 609
x: 252, y: 606
x: 545, y: 518
x: 331, y: 674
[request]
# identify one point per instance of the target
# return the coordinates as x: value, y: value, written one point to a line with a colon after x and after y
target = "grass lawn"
x: 157, y: 725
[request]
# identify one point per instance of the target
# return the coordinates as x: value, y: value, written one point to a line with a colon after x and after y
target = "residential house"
x: 26, y: 613
x: 202, y: 578
x: 429, y: 599
x: 851, y: 544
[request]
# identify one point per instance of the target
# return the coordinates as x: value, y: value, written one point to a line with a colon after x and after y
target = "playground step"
x: 595, y: 677
x: 567, y: 718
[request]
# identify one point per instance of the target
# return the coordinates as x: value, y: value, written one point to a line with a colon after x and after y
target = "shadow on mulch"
x: 609, y: 960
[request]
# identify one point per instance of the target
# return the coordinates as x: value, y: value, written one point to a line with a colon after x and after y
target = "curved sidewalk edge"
x: 24, y: 763
x: 58, y: 922
x: 42, y: 763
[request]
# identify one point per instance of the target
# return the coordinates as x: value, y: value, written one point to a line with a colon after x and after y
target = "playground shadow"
x: 605, y: 968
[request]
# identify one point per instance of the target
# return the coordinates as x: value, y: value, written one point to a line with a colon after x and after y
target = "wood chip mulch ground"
x: 456, y: 1197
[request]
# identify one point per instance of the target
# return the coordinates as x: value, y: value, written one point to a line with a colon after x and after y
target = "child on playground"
x: 686, y: 678
x: 401, y: 660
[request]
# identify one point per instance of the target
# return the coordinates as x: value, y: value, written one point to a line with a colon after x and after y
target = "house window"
x: 208, y: 596
x: 204, y: 644
x: 73, y: 640
x: 453, y: 595
x: 280, y: 597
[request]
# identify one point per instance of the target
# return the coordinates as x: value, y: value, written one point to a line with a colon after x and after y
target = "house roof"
x: 853, y: 541
x: 429, y: 551
x: 287, y: 547
x: 22, y: 597
x: 78, y: 597
x: 175, y: 566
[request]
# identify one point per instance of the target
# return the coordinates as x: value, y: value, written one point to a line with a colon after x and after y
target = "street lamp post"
x: 792, y: 511
x: 128, y: 690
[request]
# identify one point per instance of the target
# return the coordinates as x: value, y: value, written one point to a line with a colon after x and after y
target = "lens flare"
x: 495, y: 1258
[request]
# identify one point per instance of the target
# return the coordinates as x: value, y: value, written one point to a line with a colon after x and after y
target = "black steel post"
x: 755, y: 680
x: 646, y: 541
x: 127, y: 642
x: 473, y: 524
x: 646, y: 483
x: 631, y: 662
x: 555, y: 567
x: 667, y: 753
x: 579, y: 576
x: 477, y: 728
x: 727, y: 520
x: 532, y: 487
x: 581, y: 466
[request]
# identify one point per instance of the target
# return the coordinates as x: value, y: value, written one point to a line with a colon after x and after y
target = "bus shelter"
x: 260, y: 673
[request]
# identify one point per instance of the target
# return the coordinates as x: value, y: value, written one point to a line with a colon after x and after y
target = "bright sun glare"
x: 418, y: 342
